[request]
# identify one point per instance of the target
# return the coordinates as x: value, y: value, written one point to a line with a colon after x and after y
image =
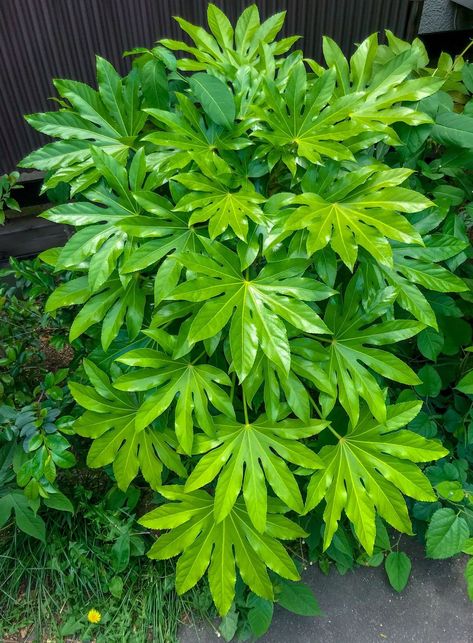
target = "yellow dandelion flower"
x: 94, y: 616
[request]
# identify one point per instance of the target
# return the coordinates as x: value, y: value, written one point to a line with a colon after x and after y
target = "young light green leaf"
x: 382, y: 456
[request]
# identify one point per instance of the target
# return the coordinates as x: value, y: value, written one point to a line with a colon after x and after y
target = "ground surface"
x: 362, y: 608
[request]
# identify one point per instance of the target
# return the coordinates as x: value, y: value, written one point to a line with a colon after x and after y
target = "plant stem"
x: 232, y: 389
x: 245, y: 409
x: 315, y: 405
x: 319, y: 411
x: 198, y: 357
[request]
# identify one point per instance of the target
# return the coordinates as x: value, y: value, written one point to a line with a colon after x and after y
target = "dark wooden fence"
x: 44, y: 39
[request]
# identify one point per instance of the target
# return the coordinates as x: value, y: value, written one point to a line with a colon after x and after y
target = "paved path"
x: 361, y: 608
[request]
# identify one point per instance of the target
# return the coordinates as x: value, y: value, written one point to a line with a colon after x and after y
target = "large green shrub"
x: 256, y: 242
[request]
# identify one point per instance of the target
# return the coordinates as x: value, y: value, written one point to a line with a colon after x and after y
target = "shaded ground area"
x: 362, y: 608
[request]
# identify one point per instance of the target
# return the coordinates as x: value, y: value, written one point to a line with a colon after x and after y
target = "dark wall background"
x: 44, y: 39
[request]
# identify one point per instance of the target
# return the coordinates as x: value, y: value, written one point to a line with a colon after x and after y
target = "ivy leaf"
x: 248, y: 456
x: 431, y: 383
x: 220, y: 547
x: 194, y: 386
x: 382, y: 458
x: 358, y: 208
x: 110, y: 421
x: 430, y: 343
x: 446, y: 534
x: 398, y: 568
x: 256, y: 307
x: 351, y: 352
x: 229, y: 624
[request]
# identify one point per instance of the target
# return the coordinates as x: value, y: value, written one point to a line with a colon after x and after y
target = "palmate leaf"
x: 109, y: 118
x: 110, y: 421
x: 190, y: 138
x: 256, y: 307
x: 106, y: 246
x: 419, y: 266
x: 300, y: 123
x: 342, y: 368
x: 360, y: 207
x: 103, y: 239
x: 221, y: 547
x: 113, y: 306
x: 226, y: 50
x: 213, y: 201
x: 366, y: 471
x: 194, y: 386
x: 275, y: 384
x: 384, y: 85
x: 248, y: 456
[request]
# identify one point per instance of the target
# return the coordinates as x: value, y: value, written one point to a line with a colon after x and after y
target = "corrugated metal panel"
x: 44, y: 39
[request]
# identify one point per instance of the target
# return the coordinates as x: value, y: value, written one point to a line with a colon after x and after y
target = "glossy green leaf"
x: 347, y: 360
x: 250, y: 455
x: 361, y: 208
x: 220, y: 547
x: 256, y: 306
x: 381, y: 456
x: 110, y: 422
x: 194, y: 386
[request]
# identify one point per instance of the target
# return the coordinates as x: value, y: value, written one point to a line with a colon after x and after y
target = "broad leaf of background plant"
x: 221, y: 547
x: 14, y: 500
x: 366, y: 471
x: 249, y: 456
x: 110, y: 421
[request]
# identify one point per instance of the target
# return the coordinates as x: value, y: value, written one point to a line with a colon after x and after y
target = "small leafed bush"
x: 258, y: 238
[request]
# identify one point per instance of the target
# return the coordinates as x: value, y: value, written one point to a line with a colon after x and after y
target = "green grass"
x: 47, y: 589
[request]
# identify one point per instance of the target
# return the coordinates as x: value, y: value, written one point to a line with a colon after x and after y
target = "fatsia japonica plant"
x: 251, y: 269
